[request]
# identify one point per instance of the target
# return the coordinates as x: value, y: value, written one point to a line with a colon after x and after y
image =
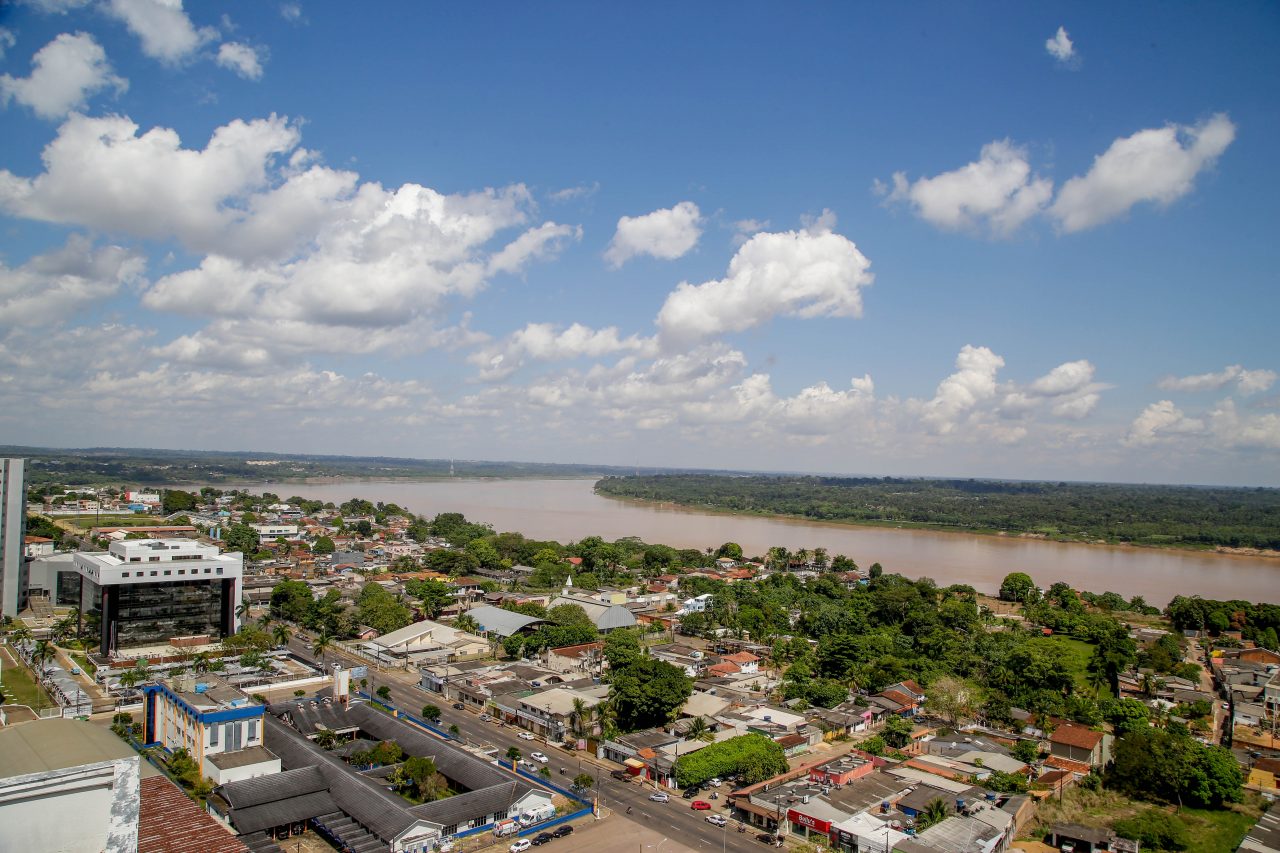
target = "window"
x: 213, y: 734
x: 135, y: 559
x: 167, y: 572
x: 219, y: 569
x: 153, y: 559
x: 207, y: 571
x: 153, y: 574
x: 182, y: 571
x: 451, y: 829
x: 253, y: 730
x: 124, y: 574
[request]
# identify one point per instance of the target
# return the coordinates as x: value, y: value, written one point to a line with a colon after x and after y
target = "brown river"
x: 568, y: 510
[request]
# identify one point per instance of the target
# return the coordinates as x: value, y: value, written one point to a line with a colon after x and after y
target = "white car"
x: 716, y: 819
x: 520, y: 846
x: 659, y: 797
x: 538, y: 757
x: 526, y: 736
x: 716, y: 783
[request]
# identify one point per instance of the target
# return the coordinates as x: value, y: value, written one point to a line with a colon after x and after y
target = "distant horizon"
x: 25, y: 450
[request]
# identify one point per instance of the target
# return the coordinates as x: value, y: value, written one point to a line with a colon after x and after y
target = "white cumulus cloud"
x: 1247, y: 381
x: 1157, y: 165
x: 973, y: 383
x: 1061, y: 48
x: 810, y: 273
x: 1160, y: 420
x: 7, y: 40
x: 64, y: 73
x: 996, y: 193
x: 163, y: 27
x: 49, y: 287
x: 667, y: 234
x: 547, y: 342
x: 241, y: 58
x: 541, y: 243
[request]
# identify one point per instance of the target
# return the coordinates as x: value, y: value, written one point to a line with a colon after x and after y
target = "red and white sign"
x: 794, y: 816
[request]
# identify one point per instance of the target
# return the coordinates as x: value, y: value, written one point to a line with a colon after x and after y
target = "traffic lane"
x: 615, y: 796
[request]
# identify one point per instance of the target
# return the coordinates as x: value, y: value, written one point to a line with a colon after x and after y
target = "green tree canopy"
x: 648, y: 693
x: 1018, y: 586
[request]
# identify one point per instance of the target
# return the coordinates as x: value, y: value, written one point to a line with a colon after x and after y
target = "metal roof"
x: 56, y: 744
x: 504, y: 623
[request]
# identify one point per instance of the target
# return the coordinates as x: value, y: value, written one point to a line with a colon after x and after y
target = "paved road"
x: 676, y: 819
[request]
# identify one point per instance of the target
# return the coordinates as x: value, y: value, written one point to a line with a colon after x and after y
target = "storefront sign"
x: 823, y: 826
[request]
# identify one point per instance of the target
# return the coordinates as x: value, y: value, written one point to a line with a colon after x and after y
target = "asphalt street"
x: 675, y: 818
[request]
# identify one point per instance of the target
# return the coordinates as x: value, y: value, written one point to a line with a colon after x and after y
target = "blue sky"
x: 1015, y: 240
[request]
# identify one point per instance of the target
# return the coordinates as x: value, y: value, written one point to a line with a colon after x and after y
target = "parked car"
x: 484, y: 718
x: 542, y: 838
x: 716, y: 819
x: 689, y: 794
x: 659, y: 797
x: 620, y: 775
x: 700, y: 805
x: 458, y: 706
x: 525, y: 736
x: 716, y: 783
x: 538, y: 757
x: 520, y: 846
x: 562, y: 830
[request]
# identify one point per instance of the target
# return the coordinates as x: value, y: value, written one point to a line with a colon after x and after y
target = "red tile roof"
x: 742, y: 657
x: 726, y: 668
x: 898, y: 696
x: 1077, y: 736
x: 170, y: 822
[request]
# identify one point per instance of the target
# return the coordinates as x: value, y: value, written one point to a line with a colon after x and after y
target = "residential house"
x: 1081, y: 745
x: 585, y: 658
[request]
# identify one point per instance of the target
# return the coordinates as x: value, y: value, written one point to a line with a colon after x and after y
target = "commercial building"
x: 75, y: 787
x: 13, y: 518
x: 143, y: 592
x: 216, y: 724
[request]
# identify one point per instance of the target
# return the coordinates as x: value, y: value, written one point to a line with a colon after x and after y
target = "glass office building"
x: 146, y: 592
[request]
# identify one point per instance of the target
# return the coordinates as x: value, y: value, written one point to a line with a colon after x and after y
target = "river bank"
x: 948, y: 529
x: 568, y: 510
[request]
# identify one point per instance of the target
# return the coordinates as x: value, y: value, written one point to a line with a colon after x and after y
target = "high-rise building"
x: 13, y: 518
x: 143, y: 592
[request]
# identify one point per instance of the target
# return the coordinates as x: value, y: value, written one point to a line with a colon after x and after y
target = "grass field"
x: 20, y: 687
x: 1210, y: 831
x: 1078, y: 654
x: 84, y: 522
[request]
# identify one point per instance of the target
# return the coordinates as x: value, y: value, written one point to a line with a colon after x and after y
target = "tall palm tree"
x: 466, y: 623
x: 20, y: 634
x: 242, y: 609
x: 40, y: 654
x: 281, y: 634
x: 322, y: 644
x: 579, y: 711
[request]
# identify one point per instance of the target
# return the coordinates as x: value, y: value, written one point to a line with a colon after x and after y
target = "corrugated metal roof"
x: 504, y: 623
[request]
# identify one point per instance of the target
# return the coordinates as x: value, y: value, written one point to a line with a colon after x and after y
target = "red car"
x: 700, y: 805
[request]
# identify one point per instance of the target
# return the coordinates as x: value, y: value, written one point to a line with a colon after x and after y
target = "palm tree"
x: 579, y: 711
x: 40, y: 654
x: 935, y: 812
x: 321, y: 644
x: 699, y: 730
x: 242, y: 609
x: 326, y: 738
x: 466, y: 623
x: 20, y: 634
x: 281, y: 634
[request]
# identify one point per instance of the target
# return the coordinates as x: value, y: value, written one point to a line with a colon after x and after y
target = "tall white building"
x: 144, y: 591
x: 13, y: 518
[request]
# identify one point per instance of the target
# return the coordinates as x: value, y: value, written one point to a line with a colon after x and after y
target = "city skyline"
x: 1025, y: 243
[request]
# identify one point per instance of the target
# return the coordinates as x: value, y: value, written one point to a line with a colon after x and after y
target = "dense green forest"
x: 99, y: 466
x: 1164, y: 516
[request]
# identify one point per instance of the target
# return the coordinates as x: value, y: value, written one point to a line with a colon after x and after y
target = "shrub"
x: 1155, y: 829
x: 754, y: 757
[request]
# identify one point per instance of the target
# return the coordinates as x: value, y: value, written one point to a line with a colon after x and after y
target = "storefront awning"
x: 634, y: 763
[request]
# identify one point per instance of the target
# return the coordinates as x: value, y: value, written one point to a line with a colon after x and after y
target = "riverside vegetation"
x: 1157, y: 516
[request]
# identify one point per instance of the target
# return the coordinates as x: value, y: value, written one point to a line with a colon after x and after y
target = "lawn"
x: 1078, y: 654
x: 20, y: 687
x: 84, y: 663
x: 84, y: 522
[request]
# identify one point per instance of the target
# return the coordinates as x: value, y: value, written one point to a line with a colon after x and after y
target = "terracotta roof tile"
x: 170, y: 822
x: 1077, y: 736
